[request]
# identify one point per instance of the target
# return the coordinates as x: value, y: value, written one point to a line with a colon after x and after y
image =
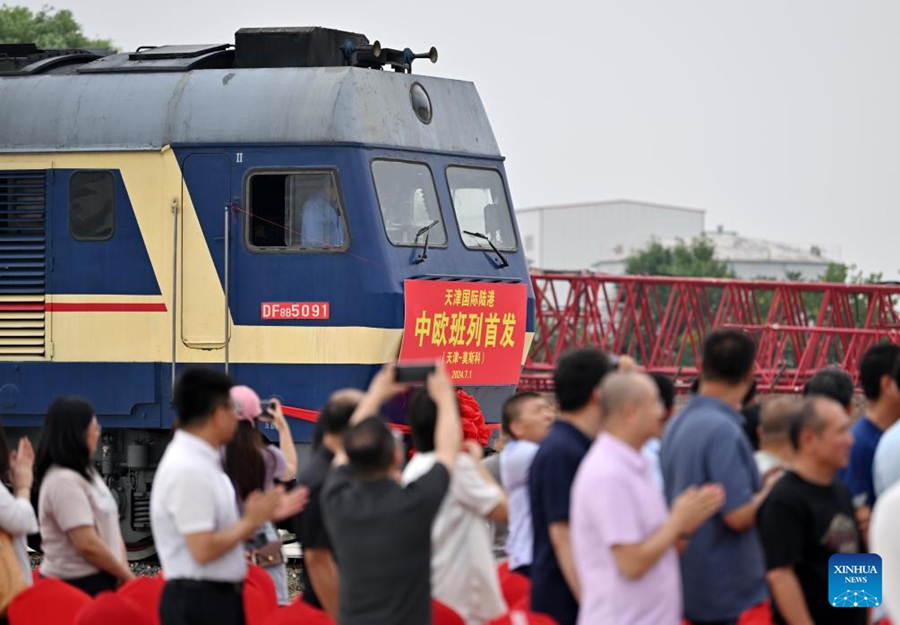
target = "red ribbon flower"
x: 474, y: 427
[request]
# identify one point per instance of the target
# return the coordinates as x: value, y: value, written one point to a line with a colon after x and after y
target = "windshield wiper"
x: 479, y: 235
x: 426, y: 230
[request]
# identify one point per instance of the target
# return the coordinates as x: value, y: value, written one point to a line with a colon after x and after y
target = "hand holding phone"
x: 413, y: 371
x: 271, y: 412
x: 267, y: 415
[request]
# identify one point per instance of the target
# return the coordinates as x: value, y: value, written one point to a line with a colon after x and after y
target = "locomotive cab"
x: 286, y: 208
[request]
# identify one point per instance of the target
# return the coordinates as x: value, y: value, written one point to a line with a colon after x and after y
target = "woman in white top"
x: 79, y: 518
x: 17, y: 516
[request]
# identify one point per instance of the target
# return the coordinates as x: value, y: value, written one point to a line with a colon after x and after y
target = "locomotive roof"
x: 275, y: 105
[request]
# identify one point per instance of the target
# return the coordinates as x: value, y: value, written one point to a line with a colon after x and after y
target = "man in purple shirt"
x: 623, y: 539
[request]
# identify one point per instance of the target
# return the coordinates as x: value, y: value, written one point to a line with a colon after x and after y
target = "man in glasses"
x: 198, y: 532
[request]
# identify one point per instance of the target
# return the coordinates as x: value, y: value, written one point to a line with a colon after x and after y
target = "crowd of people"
x: 616, y: 507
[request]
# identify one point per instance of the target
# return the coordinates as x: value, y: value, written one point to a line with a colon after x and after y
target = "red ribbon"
x: 311, y: 416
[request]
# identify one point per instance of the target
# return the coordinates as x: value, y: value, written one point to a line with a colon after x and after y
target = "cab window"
x: 409, y: 204
x: 481, y: 208
x: 295, y: 211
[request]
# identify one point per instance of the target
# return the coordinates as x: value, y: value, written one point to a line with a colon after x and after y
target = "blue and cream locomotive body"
x: 256, y: 207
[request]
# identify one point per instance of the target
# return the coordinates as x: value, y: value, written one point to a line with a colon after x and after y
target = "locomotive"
x: 266, y: 206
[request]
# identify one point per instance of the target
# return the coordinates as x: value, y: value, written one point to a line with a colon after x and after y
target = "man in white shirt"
x: 198, y: 533
x: 463, y: 571
x: 527, y: 418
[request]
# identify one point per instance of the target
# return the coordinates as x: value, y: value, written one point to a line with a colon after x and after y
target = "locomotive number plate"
x: 294, y: 310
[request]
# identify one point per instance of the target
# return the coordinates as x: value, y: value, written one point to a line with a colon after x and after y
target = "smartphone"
x: 413, y: 371
x: 268, y: 413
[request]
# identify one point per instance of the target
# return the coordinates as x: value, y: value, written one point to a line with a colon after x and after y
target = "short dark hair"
x: 511, y: 409
x: 878, y: 361
x: 806, y: 417
x: 666, y: 389
x: 334, y: 417
x: 422, y: 419
x: 198, y: 392
x: 63, y: 439
x: 831, y: 382
x: 728, y: 356
x: 576, y: 376
x: 369, y: 445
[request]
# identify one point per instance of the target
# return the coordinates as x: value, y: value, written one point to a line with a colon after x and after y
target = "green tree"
x: 48, y: 29
x: 695, y: 259
x: 835, y: 272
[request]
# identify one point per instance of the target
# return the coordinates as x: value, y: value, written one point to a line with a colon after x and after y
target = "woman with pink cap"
x: 252, y: 464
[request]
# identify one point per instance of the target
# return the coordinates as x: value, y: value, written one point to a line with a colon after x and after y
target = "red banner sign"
x: 476, y: 328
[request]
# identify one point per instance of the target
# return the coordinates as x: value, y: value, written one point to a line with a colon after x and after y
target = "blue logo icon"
x: 854, y: 580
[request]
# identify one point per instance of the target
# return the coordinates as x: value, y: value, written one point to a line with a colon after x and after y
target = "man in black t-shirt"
x: 381, y: 531
x: 808, y: 517
x: 320, y: 574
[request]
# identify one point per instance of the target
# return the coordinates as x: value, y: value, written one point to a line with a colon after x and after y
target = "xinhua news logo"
x: 854, y: 580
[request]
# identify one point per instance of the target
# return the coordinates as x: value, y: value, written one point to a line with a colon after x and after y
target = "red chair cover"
x: 516, y: 587
x: 48, y: 601
x: 442, y: 614
x: 257, y: 576
x: 260, y: 598
x: 146, y: 592
x: 522, y: 605
x: 760, y: 614
x: 110, y: 608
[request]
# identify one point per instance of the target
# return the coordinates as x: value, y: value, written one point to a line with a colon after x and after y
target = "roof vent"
x: 294, y: 47
x: 318, y: 47
x: 152, y: 53
x: 27, y: 58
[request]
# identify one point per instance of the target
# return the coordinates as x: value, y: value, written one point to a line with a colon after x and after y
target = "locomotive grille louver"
x: 23, y: 254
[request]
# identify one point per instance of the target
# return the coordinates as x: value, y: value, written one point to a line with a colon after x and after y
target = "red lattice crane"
x: 661, y: 321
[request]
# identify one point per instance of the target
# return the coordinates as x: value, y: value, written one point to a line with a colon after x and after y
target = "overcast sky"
x: 781, y: 118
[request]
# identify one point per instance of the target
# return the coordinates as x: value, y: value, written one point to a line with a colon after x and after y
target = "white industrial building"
x: 600, y: 236
x: 575, y: 236
x: 761, y: 258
